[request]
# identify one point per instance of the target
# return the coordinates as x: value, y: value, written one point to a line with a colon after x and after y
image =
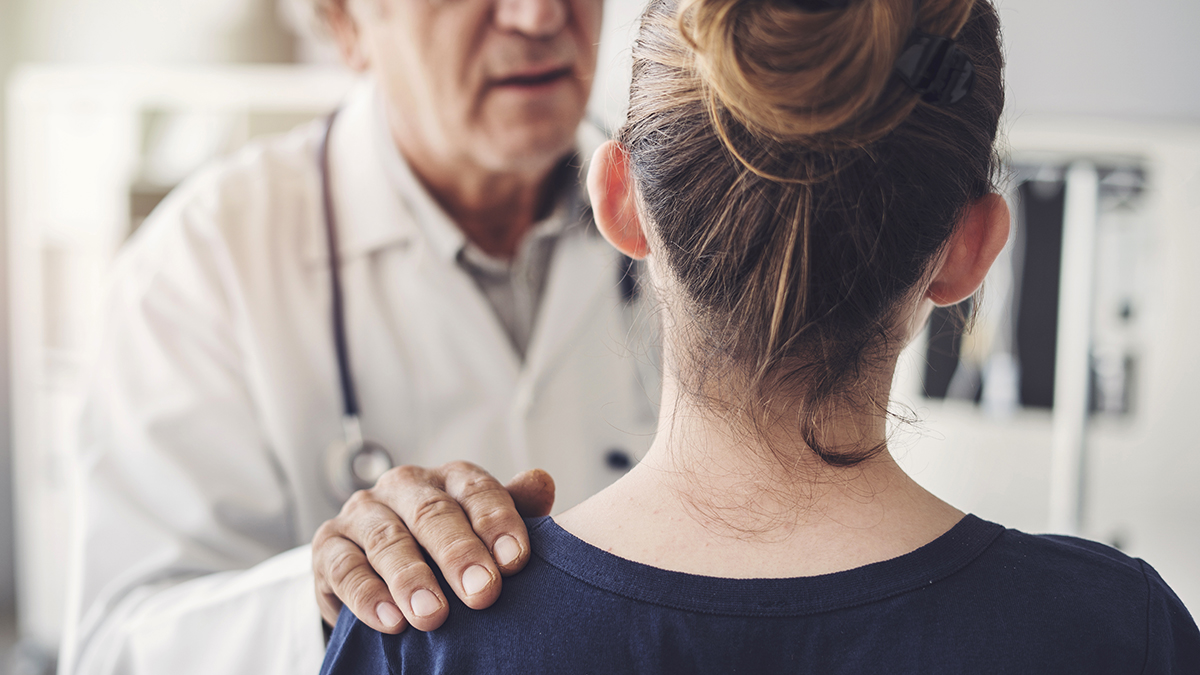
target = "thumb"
x: 532, y: 492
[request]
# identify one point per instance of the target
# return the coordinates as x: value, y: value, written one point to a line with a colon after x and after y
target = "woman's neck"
x: 709, y: 499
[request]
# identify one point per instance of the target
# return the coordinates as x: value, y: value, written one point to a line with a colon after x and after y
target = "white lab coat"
x: 215, y: 396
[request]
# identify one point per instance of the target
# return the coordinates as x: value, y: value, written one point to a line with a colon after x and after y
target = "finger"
x: 397, y: 560
x: 342, y: 570
x: 533, y: 493
x: 492, y: 514
x: 328, y: 603
x: 442, y: 529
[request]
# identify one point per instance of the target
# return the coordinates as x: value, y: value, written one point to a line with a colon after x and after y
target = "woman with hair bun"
x: 806, y: 180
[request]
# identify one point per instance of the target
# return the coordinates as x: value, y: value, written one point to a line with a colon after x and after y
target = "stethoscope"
x: 352, y: 462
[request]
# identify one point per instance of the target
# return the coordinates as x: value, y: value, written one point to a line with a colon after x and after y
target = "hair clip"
x: 936, y: 68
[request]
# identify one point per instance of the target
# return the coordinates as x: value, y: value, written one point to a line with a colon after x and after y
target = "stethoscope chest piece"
x: 353, y: 463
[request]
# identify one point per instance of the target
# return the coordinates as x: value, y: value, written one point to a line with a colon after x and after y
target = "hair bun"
x: 797, y: 69
x: 821, y: 5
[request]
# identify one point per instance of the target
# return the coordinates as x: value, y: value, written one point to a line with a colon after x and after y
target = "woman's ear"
x: 349, y: 39
x: 978, y: 239
x: 614, y: 200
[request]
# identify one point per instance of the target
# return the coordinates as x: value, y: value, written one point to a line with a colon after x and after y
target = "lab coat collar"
x: 378, y: 201
x: 444, y: 237
x: 369, y: 213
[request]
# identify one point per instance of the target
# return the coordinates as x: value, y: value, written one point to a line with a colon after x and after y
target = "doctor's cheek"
x: 370, y: 556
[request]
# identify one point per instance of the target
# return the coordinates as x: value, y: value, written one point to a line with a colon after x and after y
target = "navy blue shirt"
x: 979, y: 599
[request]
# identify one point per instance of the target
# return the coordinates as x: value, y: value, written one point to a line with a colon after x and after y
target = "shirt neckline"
x: 797, y: 596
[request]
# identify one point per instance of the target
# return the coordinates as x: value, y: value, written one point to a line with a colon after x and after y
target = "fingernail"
x: 388, y: 614
x: 507, y: 550
x: 424, y: 603
x: 475, y: 579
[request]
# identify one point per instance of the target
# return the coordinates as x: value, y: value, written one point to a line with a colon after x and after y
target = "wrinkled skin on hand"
x: 370, y: 556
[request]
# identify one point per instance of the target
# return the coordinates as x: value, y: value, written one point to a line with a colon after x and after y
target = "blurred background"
x: 1069, y: 408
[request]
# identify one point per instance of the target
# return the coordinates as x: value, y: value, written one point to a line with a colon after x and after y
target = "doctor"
x: 483, y: 320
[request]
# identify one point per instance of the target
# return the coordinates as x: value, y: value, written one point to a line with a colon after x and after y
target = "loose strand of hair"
x: 784, y: 283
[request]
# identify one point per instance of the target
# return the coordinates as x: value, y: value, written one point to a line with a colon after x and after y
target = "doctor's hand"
x: 369, y: 557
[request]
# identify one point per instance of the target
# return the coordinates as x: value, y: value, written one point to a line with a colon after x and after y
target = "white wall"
x: 1132, y: 60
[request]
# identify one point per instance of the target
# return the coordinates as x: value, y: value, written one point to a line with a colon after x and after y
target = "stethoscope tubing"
x: 343, y: 458
x: 350, y: 408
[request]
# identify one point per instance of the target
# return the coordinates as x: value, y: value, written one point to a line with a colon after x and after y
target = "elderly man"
x: 483, y: 320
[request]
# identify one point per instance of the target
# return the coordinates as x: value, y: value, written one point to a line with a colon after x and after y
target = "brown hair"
x: 798, y: 190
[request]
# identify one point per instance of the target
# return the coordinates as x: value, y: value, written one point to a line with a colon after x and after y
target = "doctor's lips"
x: 534, y: 78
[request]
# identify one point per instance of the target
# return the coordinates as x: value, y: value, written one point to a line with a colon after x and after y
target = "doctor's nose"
x: 532, y: 18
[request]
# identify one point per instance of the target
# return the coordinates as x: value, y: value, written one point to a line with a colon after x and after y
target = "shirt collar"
x: 368, y: 213
x: 443, y: 235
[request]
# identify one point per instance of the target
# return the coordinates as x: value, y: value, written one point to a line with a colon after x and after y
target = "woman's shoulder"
x: 1072, y: 567
x: 1078, y: 591
x: 1067, y: 555
x: 991, y: 599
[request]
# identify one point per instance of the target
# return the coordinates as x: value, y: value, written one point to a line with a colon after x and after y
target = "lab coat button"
x: 618, y: 460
